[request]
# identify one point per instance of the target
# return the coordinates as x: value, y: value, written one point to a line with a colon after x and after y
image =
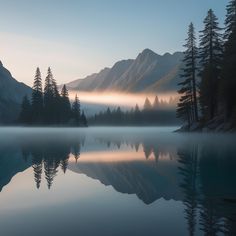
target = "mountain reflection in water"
x: 198, y: 170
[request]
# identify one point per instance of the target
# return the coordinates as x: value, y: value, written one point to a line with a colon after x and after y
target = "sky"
x: 79, y: 37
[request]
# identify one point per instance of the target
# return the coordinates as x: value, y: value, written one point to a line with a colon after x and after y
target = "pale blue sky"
x: 79, y: 37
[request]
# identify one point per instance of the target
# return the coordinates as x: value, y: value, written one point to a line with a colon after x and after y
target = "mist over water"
x: 116, y: 181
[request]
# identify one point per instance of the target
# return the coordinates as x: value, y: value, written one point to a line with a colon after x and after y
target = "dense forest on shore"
x: 157, y: 113
x: 49, y: 107
x: 208, y: 87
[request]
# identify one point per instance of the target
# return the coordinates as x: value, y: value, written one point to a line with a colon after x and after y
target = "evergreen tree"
x: 84, y: 120
x: 56, y: 102
x: 136, y: 109
x: 25, y: 113
x: 147, y: 105
x: 230, y: 21
x: 108, y: 116
x: 184, y: 107
x: 76, y: 110
x: 118, y: 115
x: 156, y: 103
x: 65, y: 108
x: 54, y: 87
x: 210, y: 55
x: 187, y: 106
x: 137, y: 115
x: 37, y: 98
x: 48, y: 97
x: 228, y: 80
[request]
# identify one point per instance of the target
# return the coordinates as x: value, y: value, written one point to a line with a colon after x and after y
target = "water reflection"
x: 209, y: 187
x: 199, y: 171
x: 48, y: 156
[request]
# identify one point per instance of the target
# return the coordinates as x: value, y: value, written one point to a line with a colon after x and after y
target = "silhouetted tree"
x: 155, y: 105
x: 37, y: 98
x: 230, y: 21
x: 84, y: 122
x: 55, y: 117
x: 210, y: 55
x: 48, y: 97
x: 137, y: 115
x: 147, y: 105
x: 76, y: 110
x: 228, y: 80
x: 184, y: 109
x: 65, y: 107
x: 187, y: 106
x: 25, y: 113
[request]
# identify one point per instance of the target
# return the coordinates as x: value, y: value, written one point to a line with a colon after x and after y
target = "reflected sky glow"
x: 112, y: 181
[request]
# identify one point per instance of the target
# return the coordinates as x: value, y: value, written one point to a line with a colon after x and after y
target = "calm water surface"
x: 116, y: 181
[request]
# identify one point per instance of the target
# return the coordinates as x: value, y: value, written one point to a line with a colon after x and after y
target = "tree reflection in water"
x: 205, y: 175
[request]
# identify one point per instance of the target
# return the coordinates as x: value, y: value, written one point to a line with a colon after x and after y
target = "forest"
x: 49, y: 107
x: 207, y: 98
x: 207, y: 90
x: 157, y: 113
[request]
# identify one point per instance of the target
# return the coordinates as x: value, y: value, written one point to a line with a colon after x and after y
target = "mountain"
x: 9, y: 167
x: 149, y: 72
x: 145, y: 180
x: 11, y: 95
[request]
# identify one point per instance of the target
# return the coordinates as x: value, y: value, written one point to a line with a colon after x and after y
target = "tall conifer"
x: 37, y: 98
x: 188, y: 105
x: 210, y: 56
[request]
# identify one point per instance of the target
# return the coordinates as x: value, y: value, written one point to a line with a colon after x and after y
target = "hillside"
x: 149, y: 72
x: 11, y: 94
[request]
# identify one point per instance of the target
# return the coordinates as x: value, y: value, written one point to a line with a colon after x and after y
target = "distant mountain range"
x: 135, y: 177
x: 11, y: 95
x: 149, y: 72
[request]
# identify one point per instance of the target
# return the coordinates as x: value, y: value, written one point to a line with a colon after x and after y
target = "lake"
x: 116, y: 181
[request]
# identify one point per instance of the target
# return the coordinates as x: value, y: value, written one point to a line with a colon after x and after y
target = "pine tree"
x: 54, y: 87
x: 56, y: 102
x: 48, y: 97
x: 230, y: 21
x: 147, y: 105
x: 228, y: 80
x: 25, y: 113
x: 187, y: 108
x: 185, y: 105
x: 37, y: 98
x: 65, y: 107
x: 118, y: 116
x: 76, y: 110
x: 190, y: 66
x: 156, y: 103
x: 137, y: 115
x: 210, y: 55
x: 84, y: 120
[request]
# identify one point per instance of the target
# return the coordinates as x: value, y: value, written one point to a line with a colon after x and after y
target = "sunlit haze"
x: 119, y: 99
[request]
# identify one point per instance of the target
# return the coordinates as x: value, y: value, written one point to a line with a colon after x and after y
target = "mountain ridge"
x: 11, y: 95
x: 148, y: 72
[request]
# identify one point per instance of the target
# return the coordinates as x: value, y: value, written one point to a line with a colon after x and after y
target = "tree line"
x: 49, y: 107
x: 156, y: 113
x: 208, y: 87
